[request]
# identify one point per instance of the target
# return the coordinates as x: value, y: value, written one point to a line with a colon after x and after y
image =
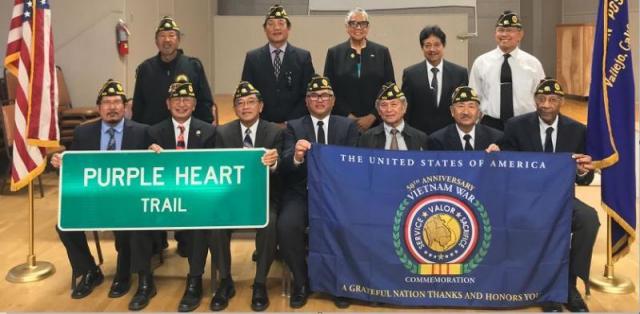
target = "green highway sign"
x: 187, y: 189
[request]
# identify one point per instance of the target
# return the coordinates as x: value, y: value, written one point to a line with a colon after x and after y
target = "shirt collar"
x: 185, y: 124
x: 315, y: 120
x: 514, y: 53
x: 544, y: 125
x: 400, y: 127
x: 272, y: 48
x: 461, y: 133
x: 253, y: 128
x: 439, y: 66
x: 118, y: 127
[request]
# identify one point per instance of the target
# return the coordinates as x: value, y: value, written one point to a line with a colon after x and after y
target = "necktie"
x: 180, y: 145
x: 434, y: 85
x: 111, y: 145
x: 247, y: 143
x: 506, y: 90
x: 320, y: 137
x: 548, y: 142
x: 467, y: 142
x: 394, y: 140
x: 277, y: 62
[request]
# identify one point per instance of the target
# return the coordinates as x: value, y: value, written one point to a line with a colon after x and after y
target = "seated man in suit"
x: 465, y: 133
x: 248, y: 131
x: 321, y: 127
x: 181, y: 131
x: 547, y: 130
x: 394, y: 133
x: 111, y: 132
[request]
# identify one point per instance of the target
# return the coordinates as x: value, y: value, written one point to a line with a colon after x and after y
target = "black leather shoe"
x: 575, y: 302
x: 225, y: 291
x: 341, y: 302
x: 260, y: 298
x: 88, y: 281
x: 120, y: 286
x: 551, y: 307
x: 146, y: 291
x: 299, y: 296
x: 192, y: 294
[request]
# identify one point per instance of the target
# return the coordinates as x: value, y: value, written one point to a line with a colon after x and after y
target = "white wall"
x: 318, y: 33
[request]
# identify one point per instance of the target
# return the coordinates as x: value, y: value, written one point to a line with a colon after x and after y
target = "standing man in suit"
x: 393, y: 133
x: 465, y: 133
x: 111, y: 132
x: 154, y: 75
x: 153, y: 78
x: 357, y: 68
x: 547, y: 130
x: 319, y: 127
x: 181, y: 131
x: 506, y: 77
x: 428, y: 85
x: 248, y: 131
x: 279, y: 70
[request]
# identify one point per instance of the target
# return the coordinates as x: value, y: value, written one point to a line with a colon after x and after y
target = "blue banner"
x: 440, y: 228
x: 610, y: 126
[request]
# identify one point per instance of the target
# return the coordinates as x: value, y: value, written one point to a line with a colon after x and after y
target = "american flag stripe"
x: 30, y: 58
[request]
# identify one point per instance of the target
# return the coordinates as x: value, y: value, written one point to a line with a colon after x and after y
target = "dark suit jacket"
x: 447, y: 138
x: 375, y: 138
x: 357, y: 95
x: 153, y: 78
x: 284, y: 97
x: 422, y: 112
x: 87, y: 136
x: 342, y: 131
x: 522, y: 133
x: 268, y: 135
x: 201, y: 134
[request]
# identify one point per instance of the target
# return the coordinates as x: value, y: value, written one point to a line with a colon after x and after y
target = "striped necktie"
x: 180, y: 144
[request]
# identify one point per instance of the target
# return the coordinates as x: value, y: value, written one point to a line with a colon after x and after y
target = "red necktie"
x: 180, y: 145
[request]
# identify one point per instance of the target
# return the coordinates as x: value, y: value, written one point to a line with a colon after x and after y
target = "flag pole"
x: 32, y: 270
x: 609, y: 282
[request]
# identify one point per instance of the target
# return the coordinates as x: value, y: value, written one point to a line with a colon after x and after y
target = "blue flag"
x: 610, y: 126
x: 440, y: 228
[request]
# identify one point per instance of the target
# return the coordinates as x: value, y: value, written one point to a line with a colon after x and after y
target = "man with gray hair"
x: 393, y: 133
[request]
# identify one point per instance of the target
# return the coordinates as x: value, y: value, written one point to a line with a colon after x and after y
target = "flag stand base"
x: 612, y: 284
x: 29, y: 272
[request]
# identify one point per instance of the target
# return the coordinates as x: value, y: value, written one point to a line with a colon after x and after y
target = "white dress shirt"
x: 325, y: 127
x: 526, y: 73
x: 387, y: 132
x: 252, y: 135
x: 461, y: 135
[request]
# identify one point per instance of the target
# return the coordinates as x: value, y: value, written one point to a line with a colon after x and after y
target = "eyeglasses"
x: 509, y: 30
x: 248, y: 103
x: 390, y: 104
x: 323, y: 97
x: 358, y: 24
x: 552, y: 99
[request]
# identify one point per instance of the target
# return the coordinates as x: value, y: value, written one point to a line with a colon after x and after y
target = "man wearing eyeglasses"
x: 357, y: 68
x: 319, y: 127
x: 248, y: 131
x: 547, y: 130
x: 465, y: 133
x: 394, y: 133
x: 279, y: 70
x: 506, y: 77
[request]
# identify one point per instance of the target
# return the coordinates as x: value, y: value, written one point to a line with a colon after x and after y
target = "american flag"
x: 30, y: 58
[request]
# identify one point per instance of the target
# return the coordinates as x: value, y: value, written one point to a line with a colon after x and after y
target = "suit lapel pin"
x: 353, y: 55
x: 198, y: 132
x: 373, y: 56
